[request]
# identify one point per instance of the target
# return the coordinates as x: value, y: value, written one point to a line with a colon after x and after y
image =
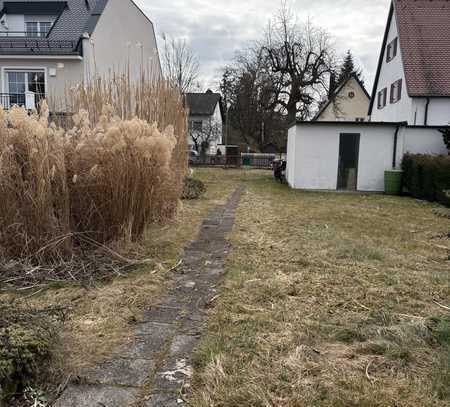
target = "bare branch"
x: 180, y: 64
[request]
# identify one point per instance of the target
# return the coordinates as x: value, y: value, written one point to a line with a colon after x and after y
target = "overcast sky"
x: 216, y: 29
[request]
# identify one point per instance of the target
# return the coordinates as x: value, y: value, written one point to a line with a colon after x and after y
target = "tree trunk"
x: 292, y: 113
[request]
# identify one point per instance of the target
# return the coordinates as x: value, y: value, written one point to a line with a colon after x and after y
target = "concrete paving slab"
x: 162, y: 314
x: 97, y: 395
x: 164, y: 400
x: 121, y: 372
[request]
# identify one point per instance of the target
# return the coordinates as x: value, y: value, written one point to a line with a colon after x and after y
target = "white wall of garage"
x: 313, y: 152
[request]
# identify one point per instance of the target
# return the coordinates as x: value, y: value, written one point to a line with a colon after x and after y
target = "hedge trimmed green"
x: 427, y: 177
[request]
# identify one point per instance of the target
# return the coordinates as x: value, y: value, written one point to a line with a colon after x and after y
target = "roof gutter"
x: 425, y: 120
x: 394, y: 154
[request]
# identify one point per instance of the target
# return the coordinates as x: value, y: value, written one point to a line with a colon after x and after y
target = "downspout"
x: 425, y: 120
x: 394, y: 155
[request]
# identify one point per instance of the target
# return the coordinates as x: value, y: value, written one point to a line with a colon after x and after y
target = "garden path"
x: 154, y: 369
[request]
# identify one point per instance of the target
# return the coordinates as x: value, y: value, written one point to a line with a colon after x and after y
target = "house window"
x: 38, y: 28
x: 351, y: 94
x: 19, y: 83
x: 197, y: 126
x: 396, y: 91
x: 382, y: 98
x: 391, y: 51
x: 360, y: 119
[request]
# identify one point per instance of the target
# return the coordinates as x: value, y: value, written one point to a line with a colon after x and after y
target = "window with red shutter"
x: 396, y: 91
x: 391, y: 50
x: 382, y: 98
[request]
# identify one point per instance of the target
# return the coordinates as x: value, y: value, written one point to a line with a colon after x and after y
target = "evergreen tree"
x: 348, y: 69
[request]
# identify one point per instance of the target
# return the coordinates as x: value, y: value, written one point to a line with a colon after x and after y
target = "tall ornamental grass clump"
x: 34, y: 194
x: 119, y: 176
x: 113, y: 172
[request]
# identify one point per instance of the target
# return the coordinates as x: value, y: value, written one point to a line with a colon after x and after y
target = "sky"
x: 217, y: 29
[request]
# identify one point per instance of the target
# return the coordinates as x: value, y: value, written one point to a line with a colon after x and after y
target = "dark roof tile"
x: 424, y: 31
x: 202, y: 104
x: 79, y: 16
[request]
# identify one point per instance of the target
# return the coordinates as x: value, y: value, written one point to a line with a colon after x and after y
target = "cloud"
x: 216, y: 30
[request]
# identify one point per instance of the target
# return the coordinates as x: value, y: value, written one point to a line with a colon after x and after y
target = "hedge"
x: 427, y: 177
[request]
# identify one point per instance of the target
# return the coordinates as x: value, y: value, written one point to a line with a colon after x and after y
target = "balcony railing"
x: 29, y: 100
x: 17, y: 45
x: 20, y: 34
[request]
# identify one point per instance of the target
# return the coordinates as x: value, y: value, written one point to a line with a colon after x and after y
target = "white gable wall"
x: 411, y: 110
x: 346, y: 108
x: 389, y: 73
x: 123, y: 36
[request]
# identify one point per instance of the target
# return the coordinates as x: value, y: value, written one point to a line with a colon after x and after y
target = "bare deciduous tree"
x: 301, y: 57
x: 203, y: 138
x: 249, y: 87
x: 180, y: 64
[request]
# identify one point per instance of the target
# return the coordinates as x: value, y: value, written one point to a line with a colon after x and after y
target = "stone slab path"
x: 155, y: 369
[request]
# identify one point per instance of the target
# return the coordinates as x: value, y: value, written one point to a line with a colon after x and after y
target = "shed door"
x: 348, y: 161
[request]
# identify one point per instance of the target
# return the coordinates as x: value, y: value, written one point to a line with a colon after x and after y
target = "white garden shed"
x: 353, y: 155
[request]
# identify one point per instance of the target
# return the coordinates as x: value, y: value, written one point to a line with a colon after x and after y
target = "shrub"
x: 26, y: 341
x: 193, y: 188
x: 427, y: 177
x: 446, y: 136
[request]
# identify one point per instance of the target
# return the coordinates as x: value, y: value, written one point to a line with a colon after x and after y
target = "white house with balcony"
x: 409, y: 107
x: 46, y: 47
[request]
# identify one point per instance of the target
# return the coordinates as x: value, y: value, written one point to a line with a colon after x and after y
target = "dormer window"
x: 391, y: 51
x: 38, y: 28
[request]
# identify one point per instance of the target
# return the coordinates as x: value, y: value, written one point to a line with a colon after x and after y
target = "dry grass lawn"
x: 331, y: 300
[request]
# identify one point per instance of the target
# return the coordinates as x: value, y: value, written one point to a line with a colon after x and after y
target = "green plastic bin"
x: 393, y: 182
x: 247, y: 161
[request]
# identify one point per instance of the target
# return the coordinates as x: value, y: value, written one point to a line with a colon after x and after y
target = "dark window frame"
x: 382, y: 99
x: 392, y: 50
x: 396, y: 91
x: 38, y: 29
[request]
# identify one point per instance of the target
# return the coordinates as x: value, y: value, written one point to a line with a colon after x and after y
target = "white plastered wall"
x: 313, y: 152
x: 346, y: 108
x: 123, y: 37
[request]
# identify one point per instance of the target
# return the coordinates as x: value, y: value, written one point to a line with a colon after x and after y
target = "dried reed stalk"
x: 117, y: 170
